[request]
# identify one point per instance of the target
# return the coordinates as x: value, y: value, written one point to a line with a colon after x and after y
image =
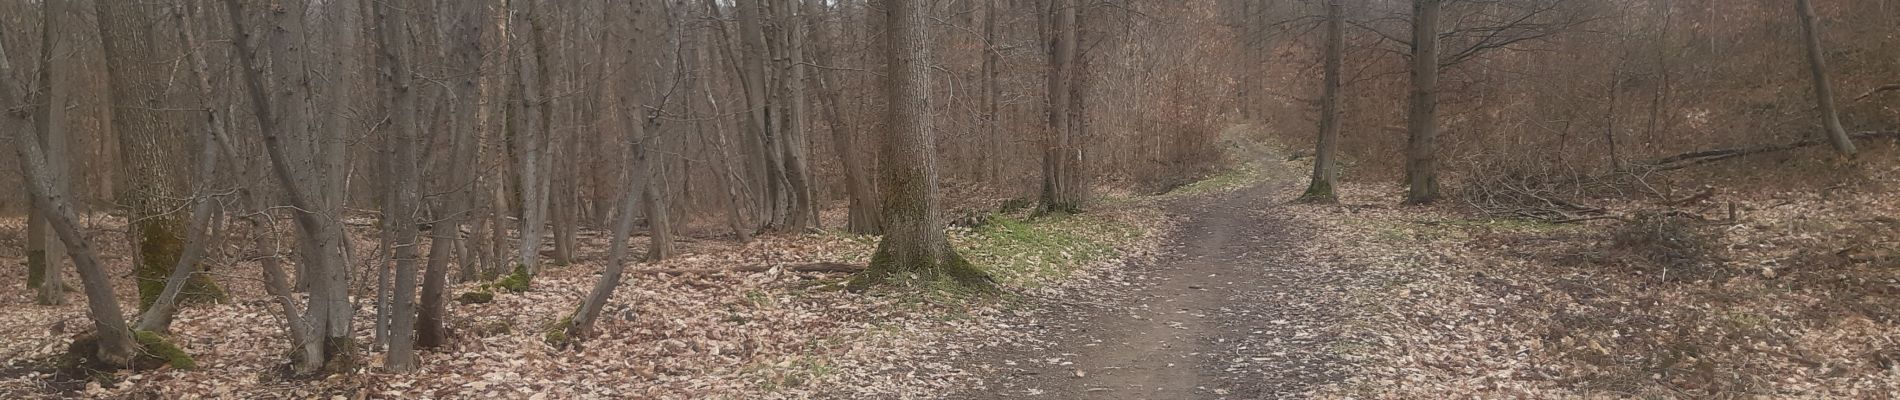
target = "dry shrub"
x: 1671, y: 244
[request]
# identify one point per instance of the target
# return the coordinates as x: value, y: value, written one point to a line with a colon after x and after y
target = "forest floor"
x: 1218, y: 290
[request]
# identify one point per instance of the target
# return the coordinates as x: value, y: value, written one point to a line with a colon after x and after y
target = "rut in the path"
x: 1220, y: 316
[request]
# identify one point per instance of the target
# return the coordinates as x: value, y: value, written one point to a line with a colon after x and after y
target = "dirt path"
x: 1218, y: 316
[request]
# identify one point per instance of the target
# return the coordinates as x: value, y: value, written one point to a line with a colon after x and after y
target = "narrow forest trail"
x: 1219, y: 315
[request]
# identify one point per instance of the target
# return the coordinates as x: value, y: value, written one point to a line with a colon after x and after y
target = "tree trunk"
x: 531, y: 118
x: 1421, y: 154
x: 463, y: 22
x: 43, y: 249
x: 859, y: 187
x: 329, y: 343
x: 1823, y: 92
x: 992, y: 94
x: 914, y: 243
x: 393, y: 37
x: 1061, y: 191
x: 1325, y: 172
x: 151, y: 140
x: 753, y: 75
x: 116, y: 346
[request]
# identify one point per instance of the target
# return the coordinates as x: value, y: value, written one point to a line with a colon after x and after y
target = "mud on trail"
x: 1220, y: 314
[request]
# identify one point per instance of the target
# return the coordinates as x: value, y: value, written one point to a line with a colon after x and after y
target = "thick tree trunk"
x: 150, y: 140
x: 914, y: 243
x: 1421, y: 154
x: 1325, y: 172
x: 1823, y: 91
x: 1062, y: 190
x: 115, y: 342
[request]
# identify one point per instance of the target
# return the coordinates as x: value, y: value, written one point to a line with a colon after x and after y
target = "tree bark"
x: 1325, y: 172
x: 531, y: 88
x: 1823, y: 91
x: 861, y: 191
x: 151, y: 140
x: 393, y: 37
x: 1062, y: 190
x: 914, y: 243
x: 1421, y: 154
x: 463, y: 23
x: 116, y: 346
x: 329, y: 344
x: 43, y: 248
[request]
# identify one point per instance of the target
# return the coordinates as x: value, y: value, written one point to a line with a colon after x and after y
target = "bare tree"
x: 115, y: 343
x: 43, y: 258
x: 1817, y: 67
x: 461, y: 22
x: 1325, y: 170
x: 861, y: 192
x: 329, y: 342
x: 914, y: 243
x: 1063, y: 189
x: 1421, y: 154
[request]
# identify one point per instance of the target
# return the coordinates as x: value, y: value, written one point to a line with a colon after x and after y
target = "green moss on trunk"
x: 161, y: 242
x: 35, y: 268
x: 339, y: 354
x: 1319, y: 192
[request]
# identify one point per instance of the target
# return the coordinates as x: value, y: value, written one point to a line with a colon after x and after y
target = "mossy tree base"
x: 154, y: 351
x: 1319, y: 193
x: 946, y: 269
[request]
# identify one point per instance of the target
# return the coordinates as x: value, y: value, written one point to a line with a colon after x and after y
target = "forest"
x: 956, y: 199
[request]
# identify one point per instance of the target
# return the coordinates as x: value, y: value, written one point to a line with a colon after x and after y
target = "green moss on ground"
x: 556, y: 333
x: 160, y: 351
x: 476, y: 297
x: 1033, y: 252
x: 516, y: 282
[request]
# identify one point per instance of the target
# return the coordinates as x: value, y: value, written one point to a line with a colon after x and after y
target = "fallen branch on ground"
x: 1695, y: 158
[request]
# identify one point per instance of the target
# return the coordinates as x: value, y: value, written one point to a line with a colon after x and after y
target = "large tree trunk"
x: 914, y: 243
x: 1421, y: 152
x: 1823, y: 92
x: 158, y: 317
x: 151, y: 140
x: 1325, y: 172
x: 115, y: 342
x: 1062, y: 189
x: 793, y: 147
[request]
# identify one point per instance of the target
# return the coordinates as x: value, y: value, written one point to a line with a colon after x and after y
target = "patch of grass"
x: 1231, y: 179
x: 1032, y: 252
